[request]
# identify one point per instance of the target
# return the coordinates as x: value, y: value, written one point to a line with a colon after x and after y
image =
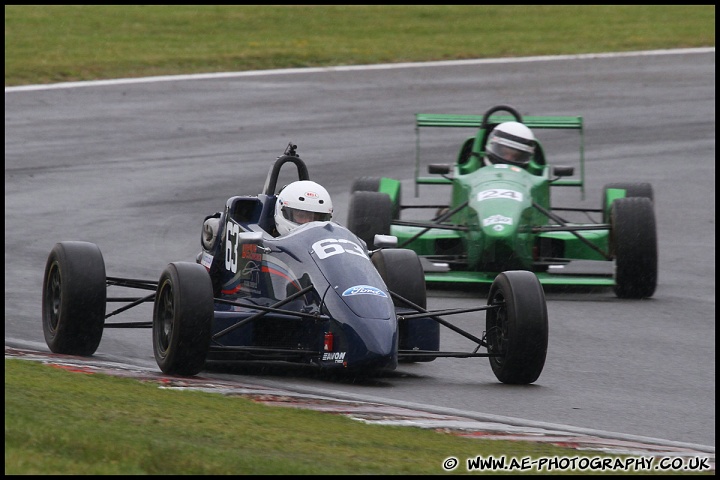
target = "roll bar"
x: 291, y: 156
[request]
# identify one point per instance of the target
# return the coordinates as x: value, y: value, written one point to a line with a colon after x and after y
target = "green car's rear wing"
x: 474, y: 121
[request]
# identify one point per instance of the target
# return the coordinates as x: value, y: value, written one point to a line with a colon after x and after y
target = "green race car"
x: 500, y: 217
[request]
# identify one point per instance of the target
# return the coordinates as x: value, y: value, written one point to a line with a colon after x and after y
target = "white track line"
x: 347, y: 68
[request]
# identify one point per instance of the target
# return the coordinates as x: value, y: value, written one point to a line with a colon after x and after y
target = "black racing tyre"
x: 369, y: 213
x: 518, y: 329
x: 182, y: 318
x: 403, y: 274
x: 74, y: 298
x: 631, y: 190
x: 365, y: 184
x: 372, y: 184
x: 633, y: 243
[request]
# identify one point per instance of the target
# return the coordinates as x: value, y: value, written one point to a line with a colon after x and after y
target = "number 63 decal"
x: 334, y: 246
x: 231, y: 246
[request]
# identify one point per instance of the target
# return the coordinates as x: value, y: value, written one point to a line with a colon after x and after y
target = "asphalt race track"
x: 135, y: 166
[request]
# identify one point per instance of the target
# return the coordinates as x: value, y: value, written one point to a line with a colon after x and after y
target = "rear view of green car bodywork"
x: 500, y: 217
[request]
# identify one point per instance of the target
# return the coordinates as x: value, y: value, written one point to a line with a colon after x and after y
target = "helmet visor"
x: 510, y: 154
x: 303, y: 216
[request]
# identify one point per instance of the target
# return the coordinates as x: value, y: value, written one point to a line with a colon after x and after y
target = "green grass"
x: 60, y: 422
x: 54, y: 43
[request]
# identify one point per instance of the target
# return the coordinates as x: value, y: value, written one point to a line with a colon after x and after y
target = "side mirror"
x: 254, y: 238
x: 385, y: 241
x: 562, y: 171
x: 439, y: 168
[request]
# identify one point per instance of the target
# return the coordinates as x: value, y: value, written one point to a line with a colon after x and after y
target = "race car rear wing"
x: 450, y: 120
x: 474, y: 121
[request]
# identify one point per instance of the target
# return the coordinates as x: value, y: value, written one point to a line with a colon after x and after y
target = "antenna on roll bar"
x: 291, y: 150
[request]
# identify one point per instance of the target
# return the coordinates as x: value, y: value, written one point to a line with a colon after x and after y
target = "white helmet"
x: 301, y: 202
x: 510, y: 142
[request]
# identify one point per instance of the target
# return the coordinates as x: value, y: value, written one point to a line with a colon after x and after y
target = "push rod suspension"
x: 264, y: 311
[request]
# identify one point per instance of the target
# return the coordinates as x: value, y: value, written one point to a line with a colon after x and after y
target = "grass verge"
x: 55, y: 43
x: 60, y: 422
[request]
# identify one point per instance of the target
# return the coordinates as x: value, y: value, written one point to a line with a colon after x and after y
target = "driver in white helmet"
x: 299, y: 203
x: 510, y: 143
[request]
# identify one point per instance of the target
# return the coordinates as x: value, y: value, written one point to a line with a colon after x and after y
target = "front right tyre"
x: 517, y: 331
x: 182, y: 318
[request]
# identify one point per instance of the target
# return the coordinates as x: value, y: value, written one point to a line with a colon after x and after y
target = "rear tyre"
x: 403, y: 274
x: 182, y: 318
x: 631, y: 190
x: 372, y: 184
x: 518, y: 329
x: 74, y: 297
x: 369, y: 213
x: 633, y: 243
x: 365, y: 184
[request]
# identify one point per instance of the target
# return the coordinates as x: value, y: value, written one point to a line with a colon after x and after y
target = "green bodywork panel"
x: 545, y: 279
x: 612, y: 194
x: 393, y: 188
x: 499, y: 213
x: 498, y: 217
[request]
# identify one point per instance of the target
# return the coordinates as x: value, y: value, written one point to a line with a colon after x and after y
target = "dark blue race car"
x: 316, y: 296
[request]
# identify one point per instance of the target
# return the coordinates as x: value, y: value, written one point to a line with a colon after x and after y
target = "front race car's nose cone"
x: 373, y: 344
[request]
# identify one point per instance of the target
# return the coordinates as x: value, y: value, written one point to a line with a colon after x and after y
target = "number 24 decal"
x: 499, y: 193
x: 332, y: 246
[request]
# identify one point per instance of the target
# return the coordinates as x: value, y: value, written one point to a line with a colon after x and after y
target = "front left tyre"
x: 182, y: 318
x: 633, y: 243
x: 73, y: 299
x: 403, y: 275
x: 402, y: 272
